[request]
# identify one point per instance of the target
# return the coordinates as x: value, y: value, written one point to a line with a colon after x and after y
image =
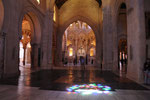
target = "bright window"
x: 38, y: 1
x: 54, y: 16
x: 70, y: 52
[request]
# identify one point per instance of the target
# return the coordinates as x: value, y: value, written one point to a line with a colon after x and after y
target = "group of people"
x: 123, y: 61
x: 123, y: 65
x: 82, y: 61
x: 147, y: 72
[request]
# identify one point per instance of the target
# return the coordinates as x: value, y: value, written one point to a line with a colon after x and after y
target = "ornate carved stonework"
x: 79, y: 40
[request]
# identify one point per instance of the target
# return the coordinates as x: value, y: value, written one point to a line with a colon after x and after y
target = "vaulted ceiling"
x: 59, y: 3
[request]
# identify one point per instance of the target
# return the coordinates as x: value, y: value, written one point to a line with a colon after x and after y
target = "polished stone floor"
x: 9, y: 92
x: 52, y: 84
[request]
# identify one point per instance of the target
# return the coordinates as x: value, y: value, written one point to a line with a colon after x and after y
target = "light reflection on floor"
x: 60, y: 79
x: 89, y: 89
x: 24, y: 78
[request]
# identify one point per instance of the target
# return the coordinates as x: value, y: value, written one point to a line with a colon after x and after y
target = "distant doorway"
x: 122, y: 38
x: 79, y: 42
x: 25, y: 43
x: 123, y: 55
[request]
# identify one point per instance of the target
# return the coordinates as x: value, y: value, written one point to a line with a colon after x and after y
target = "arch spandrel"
x: 94, y: 26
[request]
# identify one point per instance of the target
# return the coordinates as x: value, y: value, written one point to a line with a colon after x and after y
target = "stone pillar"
x: 28, y: 55
x: 34, y: 55
x: 47, y: 40
x: 58, y: 50
x: 98, y: 53
x: 50, y: 40
x: 11, y: 54
x: 136, y: 39
x: 107, y: 39
x: 114, y: 42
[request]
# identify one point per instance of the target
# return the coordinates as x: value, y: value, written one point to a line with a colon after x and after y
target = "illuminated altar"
x: 79, y: 41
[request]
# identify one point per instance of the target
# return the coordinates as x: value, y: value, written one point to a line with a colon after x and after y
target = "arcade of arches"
x: 107, y: 35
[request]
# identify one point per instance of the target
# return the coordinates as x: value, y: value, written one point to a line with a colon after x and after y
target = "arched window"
x: 123, y: 6
x: 54, y: 15
x: 71, y: 52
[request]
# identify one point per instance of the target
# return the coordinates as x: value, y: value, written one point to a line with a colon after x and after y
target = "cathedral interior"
x: 75, y: 49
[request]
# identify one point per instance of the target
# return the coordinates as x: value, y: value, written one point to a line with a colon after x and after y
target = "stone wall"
x: 147, y: 11
x: 135, y: 37
x: 136, y: 40
x: 14, y: 13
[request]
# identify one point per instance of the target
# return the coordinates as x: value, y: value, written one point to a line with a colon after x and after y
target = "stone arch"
x: 122, y: 37
x: 115, y: 5
x: 83, y: 19
x: 94, y: 27
x: 1, y: 14
x: 85, y: 8
x: 122, y: 19
x: 35, y: 20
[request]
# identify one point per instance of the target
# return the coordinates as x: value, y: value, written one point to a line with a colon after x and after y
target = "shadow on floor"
x: 61, y: 79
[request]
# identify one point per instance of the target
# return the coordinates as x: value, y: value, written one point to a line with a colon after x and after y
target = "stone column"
x: 114, y: 42
x: 34, y: 55
x: 107, y: 39
x: 136, y: 39
x: 59, y: 50
x: 98, y: 53
x: 28, y: 57
x: 47, y: 40
x: 50, y: 39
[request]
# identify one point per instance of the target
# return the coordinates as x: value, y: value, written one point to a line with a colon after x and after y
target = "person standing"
x: 82, y: 63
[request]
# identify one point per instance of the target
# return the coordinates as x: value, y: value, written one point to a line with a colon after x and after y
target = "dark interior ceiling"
x: 59, y: 3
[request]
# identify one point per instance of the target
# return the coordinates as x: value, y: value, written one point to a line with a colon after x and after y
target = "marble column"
x: 136, y: 40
